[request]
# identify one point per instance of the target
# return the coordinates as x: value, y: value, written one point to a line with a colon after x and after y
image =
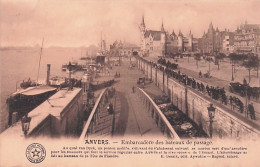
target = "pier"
x: 136, y: 112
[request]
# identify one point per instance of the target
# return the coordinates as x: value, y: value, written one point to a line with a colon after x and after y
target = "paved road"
x: 131, y: 117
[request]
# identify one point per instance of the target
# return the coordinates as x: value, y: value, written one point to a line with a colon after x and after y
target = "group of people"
x: 215, y: 93
x: 243, y: 90
x: 117, y: 74
x: 236, y: 101
x: 168, y: 64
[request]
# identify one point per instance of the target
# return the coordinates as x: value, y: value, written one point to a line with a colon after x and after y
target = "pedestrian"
x: 251, y: 111
x: 133, y: 89
x: 231, y: 102
x: 111, y: 108
x: 200, y: 74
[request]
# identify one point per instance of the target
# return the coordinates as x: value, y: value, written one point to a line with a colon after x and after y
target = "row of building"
x: 246, y: 39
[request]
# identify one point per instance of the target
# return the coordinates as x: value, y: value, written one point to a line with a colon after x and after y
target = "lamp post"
x: 232, y: 71
x: 211, y: 112
x: 26, y: 124
x: 246, y: 89
x: 70, y: 69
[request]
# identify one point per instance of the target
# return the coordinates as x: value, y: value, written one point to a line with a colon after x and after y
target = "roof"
x: 37, y: 90
x: 155, y: 34
x: 54, y: 106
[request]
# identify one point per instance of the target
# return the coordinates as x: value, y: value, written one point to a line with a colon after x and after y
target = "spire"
x: 142, y: 25
x: 173, y: 33
x: 162, y: 28
x: 211, y: 25
x: 143, y: 21
x: 190, y: 32
x: 217, y: 29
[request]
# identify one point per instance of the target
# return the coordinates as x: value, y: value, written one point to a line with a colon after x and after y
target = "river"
x: 20, y: 64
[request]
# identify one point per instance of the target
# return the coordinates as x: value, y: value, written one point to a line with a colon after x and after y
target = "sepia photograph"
x: 129, y: 83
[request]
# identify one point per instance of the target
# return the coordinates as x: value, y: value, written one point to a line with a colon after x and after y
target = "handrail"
x: 85, y: 130
x: 164, y: 119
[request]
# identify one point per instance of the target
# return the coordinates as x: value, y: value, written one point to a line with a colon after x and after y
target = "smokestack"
x: 48, y: 74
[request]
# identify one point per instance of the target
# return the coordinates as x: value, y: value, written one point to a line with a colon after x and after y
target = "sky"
x: 80, y: 22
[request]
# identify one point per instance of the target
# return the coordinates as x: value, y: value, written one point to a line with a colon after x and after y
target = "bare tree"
x: 218, y: 58
x: 234, y: 59
x: 251, y: 63
x: 197, y: 58
x: 188, y: 55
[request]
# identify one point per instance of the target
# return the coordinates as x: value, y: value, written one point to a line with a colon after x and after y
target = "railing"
x: 158, y: 116
x: 92, y: 119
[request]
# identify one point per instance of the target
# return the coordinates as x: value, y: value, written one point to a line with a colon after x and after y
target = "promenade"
x: 131, y: 116
x: 216, y: 81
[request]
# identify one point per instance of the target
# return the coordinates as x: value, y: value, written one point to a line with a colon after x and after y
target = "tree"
x: 251, y: 63
x: 219, y: 57
x: 188, y: 55
x: 209, y: 59
x: 197, y: 58
x: 235, y: 58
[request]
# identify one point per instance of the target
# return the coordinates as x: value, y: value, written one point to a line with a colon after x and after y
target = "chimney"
x: 48, y: 74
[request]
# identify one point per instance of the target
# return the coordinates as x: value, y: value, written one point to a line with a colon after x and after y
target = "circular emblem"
x: 35, y: 153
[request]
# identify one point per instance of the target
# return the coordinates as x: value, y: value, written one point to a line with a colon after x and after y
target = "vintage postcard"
x: 129, y: 83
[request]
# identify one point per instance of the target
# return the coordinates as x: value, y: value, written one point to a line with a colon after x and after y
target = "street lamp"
x: 211, y: 112
x: 232, y: 71
x: 70, y: 69
x: 26, y: 124
x: 246, y: 89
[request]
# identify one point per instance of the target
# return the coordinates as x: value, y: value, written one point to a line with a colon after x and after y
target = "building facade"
x: 212, y: 41
x: 122, y: 49
x: 228, y: 44
x: 161, y: 43
x: 247, y: 38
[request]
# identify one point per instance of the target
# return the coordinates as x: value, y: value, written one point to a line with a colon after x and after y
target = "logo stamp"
x: 35, y: 153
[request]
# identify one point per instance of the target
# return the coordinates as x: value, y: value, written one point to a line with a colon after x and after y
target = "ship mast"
x: 39, y: 63
x: 101, y: 43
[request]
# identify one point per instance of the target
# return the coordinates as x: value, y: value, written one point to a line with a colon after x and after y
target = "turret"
x: 142, y: 25
x: 142, y: 34
x: 190, y: 41
x: 211, y: 29
x: 162, y: 28
x: 180, y: 42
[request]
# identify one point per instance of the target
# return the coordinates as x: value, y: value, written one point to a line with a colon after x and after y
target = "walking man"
x: 251, y: 111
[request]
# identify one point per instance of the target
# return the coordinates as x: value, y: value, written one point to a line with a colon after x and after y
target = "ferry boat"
x: 25, y: 100
x: 74, y: 67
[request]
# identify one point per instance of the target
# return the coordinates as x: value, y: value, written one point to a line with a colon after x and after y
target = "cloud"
x: 78, y: 22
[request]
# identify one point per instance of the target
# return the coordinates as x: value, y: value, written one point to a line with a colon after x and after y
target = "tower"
x: 190, y: 41
x: 211, y: 38
x: 142, y: 35
x: 180, y: 42
x: 163, y: 40
x: 142, y: 25
x: 162, y: 28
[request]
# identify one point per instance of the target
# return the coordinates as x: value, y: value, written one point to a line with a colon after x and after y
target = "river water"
x: 18, y: 65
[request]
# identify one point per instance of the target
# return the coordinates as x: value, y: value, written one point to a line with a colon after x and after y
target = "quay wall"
x: 194, y: 104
